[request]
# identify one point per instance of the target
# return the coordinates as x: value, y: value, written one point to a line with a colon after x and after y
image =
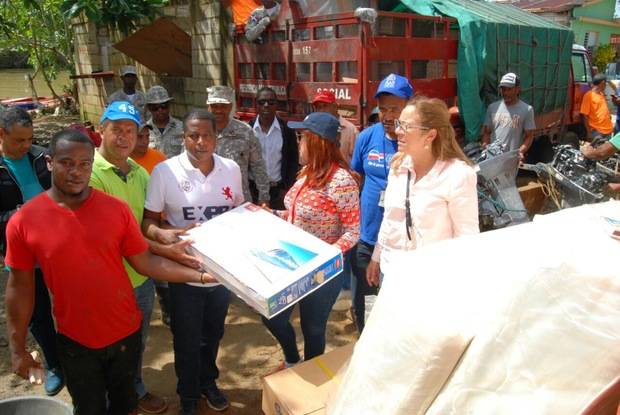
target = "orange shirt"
x: 151, y: 159
x: 594, y: 107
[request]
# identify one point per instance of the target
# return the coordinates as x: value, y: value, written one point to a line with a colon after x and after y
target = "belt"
x: 275, y: 184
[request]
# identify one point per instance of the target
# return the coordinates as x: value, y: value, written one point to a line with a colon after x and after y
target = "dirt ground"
x: 247, y: 353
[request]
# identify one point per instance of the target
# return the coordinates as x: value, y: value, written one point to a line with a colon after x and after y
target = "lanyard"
x: 408, y: 218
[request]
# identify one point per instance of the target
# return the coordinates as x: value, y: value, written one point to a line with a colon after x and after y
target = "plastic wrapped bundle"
x: 541, y: 302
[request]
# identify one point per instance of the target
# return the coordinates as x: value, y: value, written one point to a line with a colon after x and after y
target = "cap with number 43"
x: 121, y: 110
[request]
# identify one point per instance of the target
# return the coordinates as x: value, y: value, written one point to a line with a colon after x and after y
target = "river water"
x: 13, y: 83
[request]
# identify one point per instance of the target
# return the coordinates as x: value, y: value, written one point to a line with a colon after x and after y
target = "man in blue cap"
x: 118, y: 175
x: 373, y: 152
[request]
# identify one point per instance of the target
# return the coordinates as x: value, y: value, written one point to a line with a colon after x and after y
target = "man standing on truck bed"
x: 595, y: 112
x: 509, y: 122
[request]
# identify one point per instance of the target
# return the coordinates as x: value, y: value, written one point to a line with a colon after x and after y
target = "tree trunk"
x: 41, y: 66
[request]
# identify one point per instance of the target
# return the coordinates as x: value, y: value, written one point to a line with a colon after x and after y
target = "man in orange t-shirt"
x: 595, y: 112
x: 142, y: 154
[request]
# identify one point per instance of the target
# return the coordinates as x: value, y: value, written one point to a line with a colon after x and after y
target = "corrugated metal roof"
x: 498, y: 13
x: 548, y: 5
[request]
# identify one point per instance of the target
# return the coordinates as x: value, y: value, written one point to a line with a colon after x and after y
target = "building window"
x: 590, y: 41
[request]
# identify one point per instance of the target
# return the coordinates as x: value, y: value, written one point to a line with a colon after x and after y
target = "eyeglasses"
x: 299, y: 134
x: 157, y: 107
x: 262, y: 102
x: 408, y: 126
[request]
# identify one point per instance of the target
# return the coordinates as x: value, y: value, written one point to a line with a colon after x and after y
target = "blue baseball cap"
x: 395, y: 85
x: 321, y: 123
x: 121, y: 110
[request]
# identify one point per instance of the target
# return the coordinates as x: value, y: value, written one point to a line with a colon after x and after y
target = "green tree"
x: 38, y: 28
x: 603, y: 55
x: 122, y: 15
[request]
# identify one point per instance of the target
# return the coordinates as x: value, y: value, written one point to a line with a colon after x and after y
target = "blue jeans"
x: 313, y: 312
x: 361, y: 256
x: 347, y: 273
x: 42, y: 323
x: 145, y: 295
x: 197, y: 316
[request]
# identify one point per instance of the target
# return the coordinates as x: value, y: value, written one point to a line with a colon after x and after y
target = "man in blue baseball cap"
x: 118, y: 175
x: 373, y: 152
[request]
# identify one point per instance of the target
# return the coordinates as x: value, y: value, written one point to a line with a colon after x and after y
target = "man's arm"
x: 486, y: 136
x: 19, y: 298
x: 166, y: 242
x: 601, y: 152
x: 527, y: 143
x: 160, y: 268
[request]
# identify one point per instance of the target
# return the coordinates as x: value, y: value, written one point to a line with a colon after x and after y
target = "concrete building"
x: 186, y: 50
x: 594, y: 22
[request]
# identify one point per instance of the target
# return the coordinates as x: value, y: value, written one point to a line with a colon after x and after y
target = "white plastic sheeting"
x: 520, y: 320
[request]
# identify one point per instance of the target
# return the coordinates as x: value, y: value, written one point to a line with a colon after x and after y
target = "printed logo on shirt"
x: 227, y: 193
x: 374, y: 155
x: 202, y: 213
x: 377, y: 159
x: 505, y: 120
x: 186, y: 186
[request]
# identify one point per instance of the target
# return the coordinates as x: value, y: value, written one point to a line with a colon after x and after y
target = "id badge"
x: 382, y: 198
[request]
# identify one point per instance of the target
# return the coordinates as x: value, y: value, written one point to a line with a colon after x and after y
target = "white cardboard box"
x: 266, y: 261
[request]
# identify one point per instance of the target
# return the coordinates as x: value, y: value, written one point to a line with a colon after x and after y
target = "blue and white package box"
x: 266, y: 261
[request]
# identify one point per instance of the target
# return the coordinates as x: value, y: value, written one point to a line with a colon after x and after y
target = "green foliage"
x: 603, y: 55
x: 37, y: 28
x: 122, y: 15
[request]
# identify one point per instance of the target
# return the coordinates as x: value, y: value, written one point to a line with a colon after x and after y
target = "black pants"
x: 198, y: 316
x: 360, y: 258
x: 276, y: 195
x: 93, y: 374
x: 42, y: 323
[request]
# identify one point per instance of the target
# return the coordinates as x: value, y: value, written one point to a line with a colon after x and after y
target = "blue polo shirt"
x: 371, y: 158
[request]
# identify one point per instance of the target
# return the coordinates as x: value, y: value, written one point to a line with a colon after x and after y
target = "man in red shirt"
x: 79, y: 236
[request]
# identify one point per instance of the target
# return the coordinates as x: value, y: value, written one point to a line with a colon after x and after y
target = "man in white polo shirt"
x: 191, y: 188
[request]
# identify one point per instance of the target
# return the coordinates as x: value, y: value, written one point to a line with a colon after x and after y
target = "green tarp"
x: 498, y: 38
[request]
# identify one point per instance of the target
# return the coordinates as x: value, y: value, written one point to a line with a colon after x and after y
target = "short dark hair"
x: 198, y: 114
x: 14, y: 116
x: 71, y: 135
x: 266, y: 89
x: 598, y: 78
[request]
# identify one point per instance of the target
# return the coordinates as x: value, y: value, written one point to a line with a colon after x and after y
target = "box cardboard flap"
x: 304, y: 389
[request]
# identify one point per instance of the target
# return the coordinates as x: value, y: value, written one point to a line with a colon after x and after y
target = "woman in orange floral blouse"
x: 324, y: 202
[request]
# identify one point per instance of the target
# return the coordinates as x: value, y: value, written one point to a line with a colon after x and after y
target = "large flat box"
x: 305, y: 388
x: 266, y: 261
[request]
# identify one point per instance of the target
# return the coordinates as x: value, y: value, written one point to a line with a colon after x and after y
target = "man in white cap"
x: 509, y: 122
x: 236, y: 141
x: 129, y: 92
x: 166, y: 131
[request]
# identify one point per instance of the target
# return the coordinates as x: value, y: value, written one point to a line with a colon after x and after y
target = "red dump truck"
x: 300, y: 55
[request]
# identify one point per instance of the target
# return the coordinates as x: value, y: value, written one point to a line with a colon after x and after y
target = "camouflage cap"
x: 157, y: 95
x: 220, y: 94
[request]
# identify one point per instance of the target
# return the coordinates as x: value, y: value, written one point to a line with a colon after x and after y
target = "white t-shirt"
x: 187, y: 196
x: 271, y: 145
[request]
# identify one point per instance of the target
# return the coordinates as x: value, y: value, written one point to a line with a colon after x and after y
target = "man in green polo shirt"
x: 603, y: 152
x: 116, y: 174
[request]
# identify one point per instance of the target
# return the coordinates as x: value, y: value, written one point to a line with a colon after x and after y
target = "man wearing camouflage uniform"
x: 128, y: 92
x: 166, y: 131
x: 236, y: 141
